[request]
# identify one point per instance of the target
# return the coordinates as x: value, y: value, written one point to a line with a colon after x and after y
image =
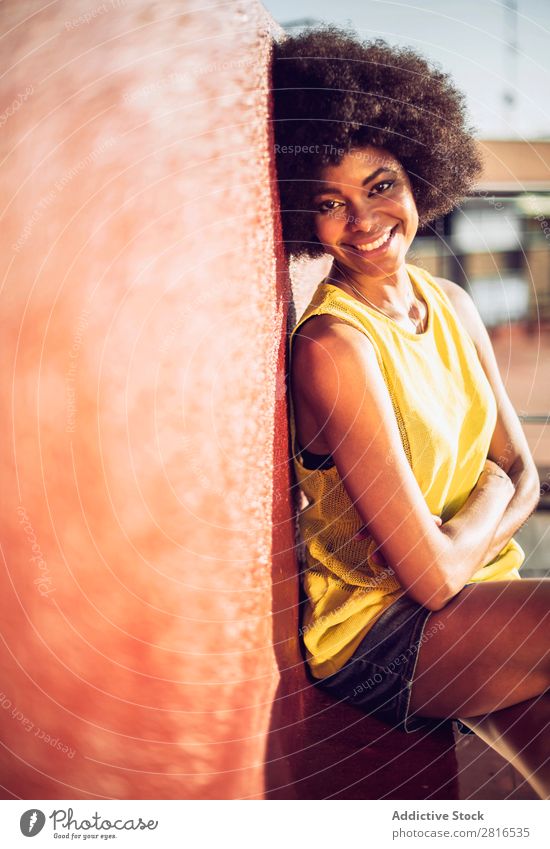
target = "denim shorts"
x: 378, y: 676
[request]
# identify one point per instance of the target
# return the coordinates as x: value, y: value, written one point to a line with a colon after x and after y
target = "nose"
x: 366, y: 222
x: 365, y: 218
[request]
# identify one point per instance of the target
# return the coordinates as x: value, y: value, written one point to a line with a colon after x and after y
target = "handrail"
x: 535, y: 419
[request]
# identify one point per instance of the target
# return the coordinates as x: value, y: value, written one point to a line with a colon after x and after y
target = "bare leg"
x: 489, y: 661
x: 489, y: 649
x: 521, y: 734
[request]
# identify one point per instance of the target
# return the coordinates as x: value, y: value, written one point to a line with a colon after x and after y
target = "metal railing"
x: 544, y: 471
x: 535, y: 419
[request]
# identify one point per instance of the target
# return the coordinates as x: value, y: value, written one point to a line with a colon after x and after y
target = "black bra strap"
x: 316, y: 461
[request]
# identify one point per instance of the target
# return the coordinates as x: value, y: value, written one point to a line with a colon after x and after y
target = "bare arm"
x: 524, y: 502
x: 509, y: 448
x: 489, y: 500
x: 335, y: 369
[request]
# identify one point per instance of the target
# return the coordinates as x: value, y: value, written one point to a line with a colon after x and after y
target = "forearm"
x: 471, y: 531
x: 523, y: 502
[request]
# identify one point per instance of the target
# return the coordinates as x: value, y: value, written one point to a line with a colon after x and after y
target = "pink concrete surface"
x: 142, y: 333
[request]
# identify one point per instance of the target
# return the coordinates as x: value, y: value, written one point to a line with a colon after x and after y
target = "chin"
x: 384, y: 264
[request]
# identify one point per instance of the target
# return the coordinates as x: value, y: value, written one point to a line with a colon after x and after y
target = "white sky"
x: 468, y: 39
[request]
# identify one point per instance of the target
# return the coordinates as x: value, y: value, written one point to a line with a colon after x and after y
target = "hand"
x: 491, y: 471
x: 377, y: 557
x: 492, y: 467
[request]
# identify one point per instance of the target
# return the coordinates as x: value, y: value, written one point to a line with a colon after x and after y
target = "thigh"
x: 490, y: 650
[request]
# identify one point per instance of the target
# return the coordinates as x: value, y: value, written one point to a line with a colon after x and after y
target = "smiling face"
x: 365, y: 213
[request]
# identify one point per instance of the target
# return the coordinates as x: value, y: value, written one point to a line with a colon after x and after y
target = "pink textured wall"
x: 149, y: 604
x: 143, y: 423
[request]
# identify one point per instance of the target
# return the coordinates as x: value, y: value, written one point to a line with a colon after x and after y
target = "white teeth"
x: 371, y: 246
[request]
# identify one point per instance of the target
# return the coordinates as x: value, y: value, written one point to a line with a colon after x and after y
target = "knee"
x: 534, y: 610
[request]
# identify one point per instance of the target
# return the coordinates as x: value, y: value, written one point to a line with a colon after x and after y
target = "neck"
x: 390, y: 292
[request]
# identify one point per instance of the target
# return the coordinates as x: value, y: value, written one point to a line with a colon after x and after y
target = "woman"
x: 406, y: 447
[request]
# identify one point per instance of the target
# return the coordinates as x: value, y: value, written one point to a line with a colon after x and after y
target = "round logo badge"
x: 32, y: 822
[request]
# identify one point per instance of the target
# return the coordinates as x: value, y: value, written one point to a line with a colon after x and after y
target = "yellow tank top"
x: 446, y: 413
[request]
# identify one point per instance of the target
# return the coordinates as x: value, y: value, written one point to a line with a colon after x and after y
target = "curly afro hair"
x: 333, y: 92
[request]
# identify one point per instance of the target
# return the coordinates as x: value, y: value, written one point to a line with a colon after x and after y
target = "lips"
x: 373, y: 246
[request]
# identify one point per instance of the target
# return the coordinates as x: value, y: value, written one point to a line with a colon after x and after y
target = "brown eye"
x: 382, y: 187
x: 323, y: 206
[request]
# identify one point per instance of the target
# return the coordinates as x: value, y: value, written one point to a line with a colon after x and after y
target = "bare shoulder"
x: 318, y: 325
x: 329, y: 357
x: 456, y: 294
x: 465, y: 309
x: 324, y: 325
x: 325, y: 340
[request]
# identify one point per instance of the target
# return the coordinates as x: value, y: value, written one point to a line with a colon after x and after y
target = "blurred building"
x: 497, y: 244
